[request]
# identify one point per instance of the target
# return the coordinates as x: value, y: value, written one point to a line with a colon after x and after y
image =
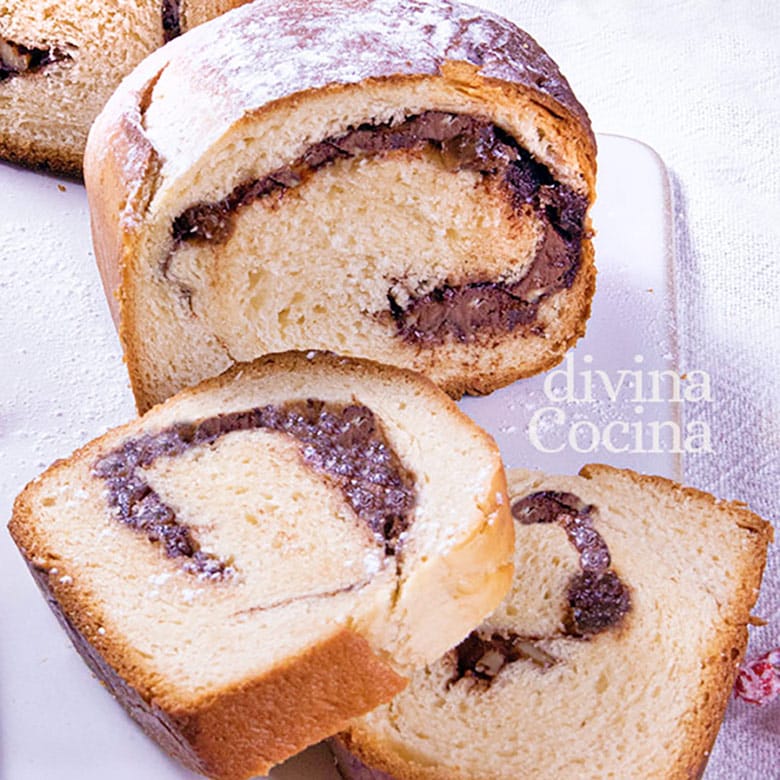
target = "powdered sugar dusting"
x: 159, y: 579
x: 267, y: 50
x: 372, y: 562
x: 63, y: 378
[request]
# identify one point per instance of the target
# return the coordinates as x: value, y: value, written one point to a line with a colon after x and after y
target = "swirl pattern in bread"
x: 400, y: 180
x: 263, y: 557
x: 613, y: 656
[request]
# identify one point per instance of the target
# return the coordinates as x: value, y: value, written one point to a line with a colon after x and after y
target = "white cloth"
x: 700, y: 82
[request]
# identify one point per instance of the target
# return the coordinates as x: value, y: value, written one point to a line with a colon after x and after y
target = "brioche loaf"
x: 613, y: 656
x: 267, y: 555
x: 60, y: 62
x: 394, y: 179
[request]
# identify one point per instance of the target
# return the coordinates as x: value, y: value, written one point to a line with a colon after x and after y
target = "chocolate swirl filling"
x: 17, y: 59
x: 345, y: 443
x: 597, y: 599
x: 170, y: 13
x: 465, y: 142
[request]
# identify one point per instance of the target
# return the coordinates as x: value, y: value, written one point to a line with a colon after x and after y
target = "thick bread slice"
x: 60, y: 62
x: 552, y: 686
x: 400, y: 180
x: 272, y: 553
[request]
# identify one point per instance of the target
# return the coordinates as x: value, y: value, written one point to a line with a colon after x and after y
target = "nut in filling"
x: 17, y: 59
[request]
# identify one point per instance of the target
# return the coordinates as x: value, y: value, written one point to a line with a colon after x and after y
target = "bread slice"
x: 613, y: 656
x: 403, y: 181
x: 272, y: 553
x: 59, y: 64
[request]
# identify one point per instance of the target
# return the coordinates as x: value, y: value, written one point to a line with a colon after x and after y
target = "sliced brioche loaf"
x: 267, y: 555
x: 60, y: 62
x: 400, y: 180
x: 613, y: 656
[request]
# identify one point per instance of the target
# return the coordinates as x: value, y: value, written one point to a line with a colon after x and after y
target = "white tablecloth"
x: 700, y: 82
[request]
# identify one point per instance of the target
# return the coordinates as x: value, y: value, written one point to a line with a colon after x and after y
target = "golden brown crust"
x: 328, y: 683
x: 742, y: 516
x: 298, y: 704
x: 81, y: 626
x: 721, y: 662
x: 40, y: 157
x: 124, y: 168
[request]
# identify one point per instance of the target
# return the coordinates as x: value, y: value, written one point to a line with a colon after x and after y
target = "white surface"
x: 64, y: 383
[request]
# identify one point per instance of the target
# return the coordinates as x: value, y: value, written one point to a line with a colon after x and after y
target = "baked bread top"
x: 613, y: 655
x: 205, y: 166
x: 219, y: 75
x: 261, y: 558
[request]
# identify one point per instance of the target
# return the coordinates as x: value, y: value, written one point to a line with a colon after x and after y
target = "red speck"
x: 758, y: 680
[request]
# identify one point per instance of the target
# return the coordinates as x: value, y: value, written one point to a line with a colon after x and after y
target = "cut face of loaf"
x: 60, y: 64
x: 404, y: 181
x: 268, y: 555
x: 613, y: 656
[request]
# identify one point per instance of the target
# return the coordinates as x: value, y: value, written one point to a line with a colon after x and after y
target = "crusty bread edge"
x: 460, y: 590
x: 728, y: 649
x: 368, y: 760
x: 338, y: 679
x: 120, y: 174
x: 220, y: 736
x: 58, y: 162
x: 568, y: 329
x: 347, y: 676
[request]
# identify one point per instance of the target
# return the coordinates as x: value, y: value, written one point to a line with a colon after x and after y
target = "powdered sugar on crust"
x: 259, y: 53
